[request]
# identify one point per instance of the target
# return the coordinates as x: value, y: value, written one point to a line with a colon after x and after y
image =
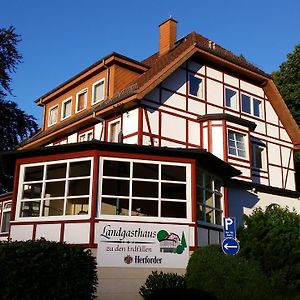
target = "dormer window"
x: 81, y: 100
x: 196, y: 86
x: 98, y: 91
x: 66, y: 108
x: 53, y: 114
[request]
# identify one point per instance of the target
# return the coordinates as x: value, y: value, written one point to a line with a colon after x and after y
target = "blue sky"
x: 61, y: 37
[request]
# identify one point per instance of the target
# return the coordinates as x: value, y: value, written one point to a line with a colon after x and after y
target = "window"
x: 258, y: 156
x: 66, y: 108
x: 98, y: 91
x: 114, y: 132
x: 196, y: 86
x: 61, y: 188
x: 53, y: 113
x: 138, y: 188
x: 5, y: 216
x: 209, y: 198
x: 86, y: 136
x: 81, y: 100
x: 236, y: 144
x: 231, y: 99
x: 251, y: 105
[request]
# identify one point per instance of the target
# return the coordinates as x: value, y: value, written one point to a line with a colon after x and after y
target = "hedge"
x: 225, y: 276
x: 46, y: 270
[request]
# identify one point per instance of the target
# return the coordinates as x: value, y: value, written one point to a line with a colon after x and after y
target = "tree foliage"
x: 287, y: 80
x: 226, y: 277
x: 15, y: 124
x: 272, y: 237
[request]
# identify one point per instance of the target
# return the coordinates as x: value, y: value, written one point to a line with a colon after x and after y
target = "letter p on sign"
x: 229, y: 227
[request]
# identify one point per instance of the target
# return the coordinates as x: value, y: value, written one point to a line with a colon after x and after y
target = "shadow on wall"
x: 238, y: 200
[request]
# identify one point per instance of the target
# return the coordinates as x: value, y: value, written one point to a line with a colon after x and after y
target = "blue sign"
x: 230, y: 246
x: 229, y: 228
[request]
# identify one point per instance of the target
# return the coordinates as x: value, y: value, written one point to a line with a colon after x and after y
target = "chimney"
x: 167, y: 35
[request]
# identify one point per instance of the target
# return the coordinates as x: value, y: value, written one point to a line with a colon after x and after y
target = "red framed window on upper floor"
x: 251, y: 105
x: 196, y: 86
x: 237, y: 144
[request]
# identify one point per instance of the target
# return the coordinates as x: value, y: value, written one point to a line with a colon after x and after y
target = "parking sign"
x: 229, y: 227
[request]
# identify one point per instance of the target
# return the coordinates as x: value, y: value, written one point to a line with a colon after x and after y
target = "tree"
x: 15, y: 124
x: 272, y: 238
x: 287, y: 80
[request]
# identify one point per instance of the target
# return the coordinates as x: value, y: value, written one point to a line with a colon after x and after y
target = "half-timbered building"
x: 189, y: 135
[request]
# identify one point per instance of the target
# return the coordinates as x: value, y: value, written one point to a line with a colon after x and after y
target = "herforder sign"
x: 142, y: 245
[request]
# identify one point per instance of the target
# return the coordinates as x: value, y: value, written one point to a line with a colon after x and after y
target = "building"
x: 130, y: 151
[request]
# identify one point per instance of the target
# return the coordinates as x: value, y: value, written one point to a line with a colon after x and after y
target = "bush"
x: 225, y: 276
x: 170, y: 286
x: 272, y: 238
x: 46, y: 270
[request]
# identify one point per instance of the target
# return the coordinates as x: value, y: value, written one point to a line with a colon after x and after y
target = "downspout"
x: 102, y: 121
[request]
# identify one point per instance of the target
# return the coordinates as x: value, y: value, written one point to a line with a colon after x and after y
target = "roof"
x: 207, y: 160
x: 158, y: 67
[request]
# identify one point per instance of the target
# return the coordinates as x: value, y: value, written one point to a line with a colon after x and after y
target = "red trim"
x: 94, y: 198
x: 140, y: 126
x: 194, y: 200
x: 34, y: 232
x: 287, y: 172
x: 282, y: 175
x: 209, y: 133
x: 60, y: 140
x: 62, y: 232
x: 15, y: 192
x: 226, y: 202
x: 149, y: 126
x: 225, y: 141
x: 130, y: 135
x: 86, y: 130
x: 159, y: 128
x: 186, y: 133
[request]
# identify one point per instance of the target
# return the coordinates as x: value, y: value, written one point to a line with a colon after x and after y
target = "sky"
x: 62, y: 37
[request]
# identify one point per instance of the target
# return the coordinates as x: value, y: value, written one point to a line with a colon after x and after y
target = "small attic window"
x: 53, y: 114
x: 196, y: 86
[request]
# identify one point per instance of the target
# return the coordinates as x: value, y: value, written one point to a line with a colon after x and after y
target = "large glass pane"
x: 232, y: 151
x: 115, y: 187
x: 53, y: 207
x: 34, y: 173
x: 31, y: 191
x: 114, y: 206
x: 56, y: 171
x: 246, y: 104
x: 79, y: 187
x: 142, y: 170
x: 256, y: 107
x: 145, y: 189
x: 80, y: 168
x: 196, y: 87
x: 173, y: 191
x: 200, y: 213
x: 217, y: 201
x: 30, y: 209
x: 173, y: 209
x: 55, y: 189
x: 231, y: 99
x: 209, y: 215
x: 208, y: 182
x: 116, y: 168
x: 144, y: 208
x: 5, y: 221
x: 209, y: 200
x: 78, y: 206
x: 174, y: 173
x: 218, y: 217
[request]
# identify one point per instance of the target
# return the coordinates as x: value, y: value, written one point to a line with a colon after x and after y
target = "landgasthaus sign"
x: 142, y: 245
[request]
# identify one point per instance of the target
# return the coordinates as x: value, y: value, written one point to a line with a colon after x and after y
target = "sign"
x: 229, y: 227
x: 230, y: 246
x: 140, y: 245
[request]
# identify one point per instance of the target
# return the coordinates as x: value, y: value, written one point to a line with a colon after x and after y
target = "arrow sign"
x: 230, y: 246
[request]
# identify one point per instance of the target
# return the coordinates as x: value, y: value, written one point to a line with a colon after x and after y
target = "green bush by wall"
x: 226, y: 277
x: 46, y: 270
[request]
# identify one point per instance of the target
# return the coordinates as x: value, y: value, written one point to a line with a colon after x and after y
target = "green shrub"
x: 46, y: 270
x: 170, y: 286
x: 272, y: 238
x: 225, y: 276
